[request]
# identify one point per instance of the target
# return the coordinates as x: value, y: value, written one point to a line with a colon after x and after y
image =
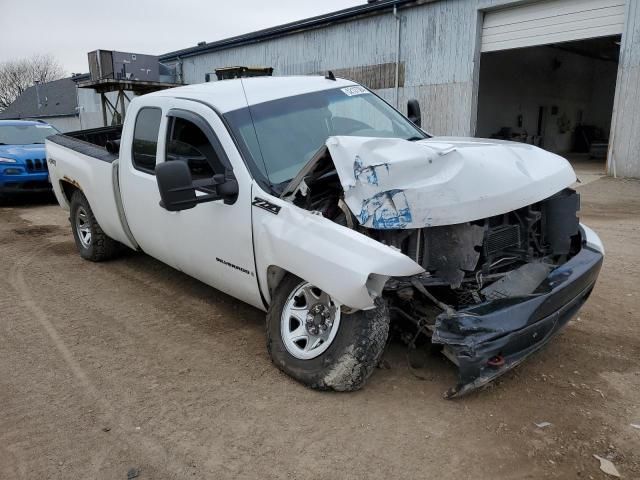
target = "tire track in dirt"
x: 152, y: 450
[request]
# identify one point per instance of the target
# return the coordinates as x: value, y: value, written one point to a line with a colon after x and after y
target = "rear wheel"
x: 92, y: 243
x: 310, y: 339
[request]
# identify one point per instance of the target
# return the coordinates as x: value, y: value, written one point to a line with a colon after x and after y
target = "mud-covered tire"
x: 352, y: 356
x: 100, y: 247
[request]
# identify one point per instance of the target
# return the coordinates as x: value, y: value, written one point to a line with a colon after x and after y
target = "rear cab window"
x: 145, y: 139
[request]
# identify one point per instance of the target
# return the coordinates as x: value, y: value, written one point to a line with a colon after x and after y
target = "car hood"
x: 22, y: 152
x: 395, y: 184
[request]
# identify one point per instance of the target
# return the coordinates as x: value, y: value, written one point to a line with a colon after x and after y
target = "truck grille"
x: 36, y: 165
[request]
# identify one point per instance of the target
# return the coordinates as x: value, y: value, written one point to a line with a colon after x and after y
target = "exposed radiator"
x: 501, y: 238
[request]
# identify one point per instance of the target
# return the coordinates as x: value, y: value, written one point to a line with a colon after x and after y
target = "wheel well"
x: 68, y: 189
x: 275, y: 275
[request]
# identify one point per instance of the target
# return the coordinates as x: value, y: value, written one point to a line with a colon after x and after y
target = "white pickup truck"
x: 313, y: 199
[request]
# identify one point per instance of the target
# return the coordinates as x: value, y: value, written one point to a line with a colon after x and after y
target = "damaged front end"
x: 504, y: 286
x: 495, y: 227
x: 487, y: 339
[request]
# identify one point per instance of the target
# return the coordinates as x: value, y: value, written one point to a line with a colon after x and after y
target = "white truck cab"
x: 313, y: 199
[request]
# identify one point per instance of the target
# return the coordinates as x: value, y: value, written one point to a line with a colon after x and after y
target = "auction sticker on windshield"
x: 357, y: 90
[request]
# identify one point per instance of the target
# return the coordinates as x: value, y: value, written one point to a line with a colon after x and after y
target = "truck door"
x: 213, y: 241
x: 138, y: 188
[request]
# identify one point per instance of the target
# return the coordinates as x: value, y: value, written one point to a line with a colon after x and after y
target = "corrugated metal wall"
x: 437, y: 49
x: 624, y: 148
x: 440, y: 53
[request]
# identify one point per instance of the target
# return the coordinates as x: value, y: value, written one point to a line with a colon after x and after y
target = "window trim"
x: 133, y: 141
x: 250, y: 165
x: 208, y: 131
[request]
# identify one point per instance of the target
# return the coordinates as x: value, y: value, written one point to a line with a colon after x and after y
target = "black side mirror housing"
x: 178, y: 190
x: 228, y: 189
x: 176, y: 186
x: 413, y: 112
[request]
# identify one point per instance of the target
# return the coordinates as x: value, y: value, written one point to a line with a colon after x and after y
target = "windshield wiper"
x: 415, y: 139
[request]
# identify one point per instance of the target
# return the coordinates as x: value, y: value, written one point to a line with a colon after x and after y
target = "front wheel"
x: 310, y: 339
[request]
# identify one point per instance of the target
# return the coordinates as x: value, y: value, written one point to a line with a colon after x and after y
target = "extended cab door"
x: 142, y: 144
x: 212, y: 241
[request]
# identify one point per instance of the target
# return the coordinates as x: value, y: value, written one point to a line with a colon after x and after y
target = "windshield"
x: 25, y: 134
x: 281, y: 136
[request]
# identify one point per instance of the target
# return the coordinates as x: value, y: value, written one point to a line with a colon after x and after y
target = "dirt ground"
x: 130, y: 367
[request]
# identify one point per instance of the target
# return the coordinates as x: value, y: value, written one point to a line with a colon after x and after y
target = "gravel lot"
x: 130, y: 366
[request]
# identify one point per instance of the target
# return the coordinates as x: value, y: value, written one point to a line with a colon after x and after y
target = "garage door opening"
x: 559, y: 97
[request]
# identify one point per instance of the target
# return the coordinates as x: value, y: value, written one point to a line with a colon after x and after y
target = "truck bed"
x: 91, y: 142
x: 79, y: 160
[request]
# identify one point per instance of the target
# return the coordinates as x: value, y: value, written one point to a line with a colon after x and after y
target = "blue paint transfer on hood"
x: 391, y: 183
x: 367, y: 174
x: 386, y: 211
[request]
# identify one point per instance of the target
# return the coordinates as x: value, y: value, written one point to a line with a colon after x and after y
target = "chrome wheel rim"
x: 309, y: 323
x: 83, y: 227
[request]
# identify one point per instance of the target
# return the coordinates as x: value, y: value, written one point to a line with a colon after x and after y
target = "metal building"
x: 562, y: 74
x: 53, y: 102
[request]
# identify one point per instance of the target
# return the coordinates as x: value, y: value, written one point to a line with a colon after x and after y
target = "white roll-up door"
x: 551, y: 21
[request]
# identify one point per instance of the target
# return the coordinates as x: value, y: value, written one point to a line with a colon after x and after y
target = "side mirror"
x: 413, y: 112
x: 176, y: 186
x: 178, y: 189
x: 227, y: 189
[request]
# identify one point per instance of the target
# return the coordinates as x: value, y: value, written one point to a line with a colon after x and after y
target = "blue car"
x: 23, y: 161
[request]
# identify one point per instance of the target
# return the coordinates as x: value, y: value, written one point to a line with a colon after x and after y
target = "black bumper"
x: 38, y: 186
x: 489, y: 339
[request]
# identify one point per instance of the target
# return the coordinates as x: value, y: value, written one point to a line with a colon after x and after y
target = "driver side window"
x: 186, y: 142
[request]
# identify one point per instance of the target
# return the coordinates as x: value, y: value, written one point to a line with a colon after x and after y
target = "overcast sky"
x: 68, y: 29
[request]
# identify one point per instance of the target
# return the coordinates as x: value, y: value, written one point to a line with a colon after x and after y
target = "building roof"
x: 57, y: 99
x: 300, y: 25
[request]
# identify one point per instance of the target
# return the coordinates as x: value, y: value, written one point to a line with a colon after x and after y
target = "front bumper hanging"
x: 489, y: 339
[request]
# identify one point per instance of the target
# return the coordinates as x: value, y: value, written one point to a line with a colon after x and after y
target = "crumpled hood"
x: 22, y: 152
x: 395, y: 184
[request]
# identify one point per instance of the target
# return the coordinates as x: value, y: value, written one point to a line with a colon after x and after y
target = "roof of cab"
x: 229, y: 95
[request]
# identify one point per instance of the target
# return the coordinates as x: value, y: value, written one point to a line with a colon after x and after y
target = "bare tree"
x: 18, y: 75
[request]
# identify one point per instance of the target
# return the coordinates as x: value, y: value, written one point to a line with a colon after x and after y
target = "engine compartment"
x: 503, y: 256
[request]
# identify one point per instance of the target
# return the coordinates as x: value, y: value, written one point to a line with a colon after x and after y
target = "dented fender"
x: 349, y: 266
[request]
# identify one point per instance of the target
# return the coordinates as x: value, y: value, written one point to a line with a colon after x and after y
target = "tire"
x: 353, y: 353
x: 96, y: 246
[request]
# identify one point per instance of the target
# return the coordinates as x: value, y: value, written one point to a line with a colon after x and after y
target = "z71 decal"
x: 266, y: 205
